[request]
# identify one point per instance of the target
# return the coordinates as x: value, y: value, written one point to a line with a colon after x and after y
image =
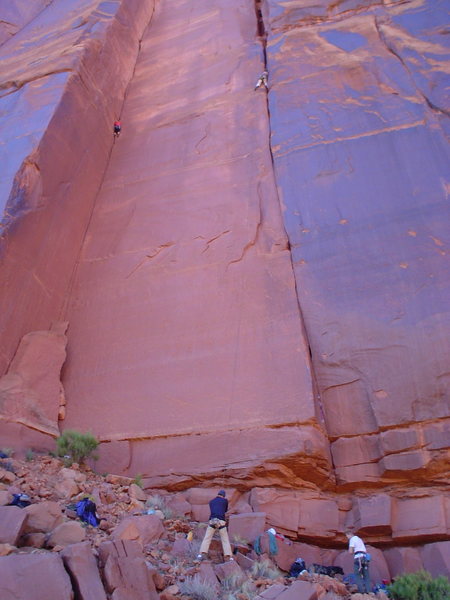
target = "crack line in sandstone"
x: 316, y: 392
x: 71, y: 283
x: 16, y: 85
x: 254, y: 239
x: 139, y: 437
x: 315, y: 21
x: 213, y: 239
x: 358, y: 136
x: 149, y: 257
x: 391, y: 49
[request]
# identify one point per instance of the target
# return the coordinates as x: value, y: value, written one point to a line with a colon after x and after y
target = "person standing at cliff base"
x: 360, y: 563
x: 218, y: 507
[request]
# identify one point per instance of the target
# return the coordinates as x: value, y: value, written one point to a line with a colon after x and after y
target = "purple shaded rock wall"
x: 63, y: 79
x: 358, y: 116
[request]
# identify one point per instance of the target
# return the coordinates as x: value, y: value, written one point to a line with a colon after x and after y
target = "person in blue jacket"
x: 218, y: 507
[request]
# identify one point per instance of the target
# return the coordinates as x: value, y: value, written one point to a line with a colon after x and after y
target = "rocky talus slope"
x: 46, y: 552
x: 249, y: 288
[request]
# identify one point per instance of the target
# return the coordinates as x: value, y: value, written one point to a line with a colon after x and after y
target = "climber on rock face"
x: 263, y: 80
x: 117, y: 128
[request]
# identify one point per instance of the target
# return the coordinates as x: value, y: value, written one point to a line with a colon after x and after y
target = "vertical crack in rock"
x: 262, y: 34
x: 390, y: 48
x: 64, y: 308
x: 254, y: 239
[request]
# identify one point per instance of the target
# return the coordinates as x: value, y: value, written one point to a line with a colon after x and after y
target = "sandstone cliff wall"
x: 63, y: 79
x: 256, y: 284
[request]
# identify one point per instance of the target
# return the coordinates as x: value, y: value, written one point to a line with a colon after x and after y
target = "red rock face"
x: 184, y: 317
x: 255, y: 281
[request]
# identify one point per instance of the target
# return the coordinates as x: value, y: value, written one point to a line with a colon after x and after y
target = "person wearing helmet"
x: 218, y: 507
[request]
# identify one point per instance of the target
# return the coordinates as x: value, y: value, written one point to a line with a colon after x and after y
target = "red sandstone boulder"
x: 68, y: 482
x: 82, y: 566
x: 137, y: 493
x: 403, y: 560
x: 127, y: 576
x: 119, y: 549
x: 200, y: 512
x: 373, y: 514
x: 43, y: 517
x: 31, y: 392
x: 144, y: 529
x: 282, y: 507
x: 318, y: 518
x: 12, y: 524
x: 228, y: 569
x: 416, y: 518
x: 208, y: 574
x: 182, y: 547
x: 179, y: 505
x: 33, y: 540
x: 244, y: 561
x: 436, y: 558
x: 247, y: 526
x: 272, y: 592
x: 5, y: 497
x: 303, y: 590
x: 67, y: 533
x: 39, y: 576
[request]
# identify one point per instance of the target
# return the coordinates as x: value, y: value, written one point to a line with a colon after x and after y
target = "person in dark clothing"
x: 297, y: 567
x: 218, y: 507
x: 117, y: 128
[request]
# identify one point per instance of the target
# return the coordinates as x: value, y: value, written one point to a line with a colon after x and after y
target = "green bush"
x: 75, y: 446
x: 138, y: 481
x: 29, y: 455
x: 420, y: 586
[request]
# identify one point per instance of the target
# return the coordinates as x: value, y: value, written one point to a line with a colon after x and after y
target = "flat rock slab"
x: 82, y: 566
x: 39, y: 576
x: 12, y: 524
x: 144, y: 529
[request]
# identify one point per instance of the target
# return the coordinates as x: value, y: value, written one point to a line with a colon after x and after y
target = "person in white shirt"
x: 360, y: 563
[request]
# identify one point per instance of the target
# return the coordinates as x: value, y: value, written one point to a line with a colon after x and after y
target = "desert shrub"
x: 29, y: 455
x: 159, y: 501
x: 265, y: 568
x: 75, y: 446
x: 236, y: 586
x: 138, y: 480
x: 238, y: 540
x: 194, y: 550
x: 7, y: 452
x: 197, y: 588
x: 420, y: 586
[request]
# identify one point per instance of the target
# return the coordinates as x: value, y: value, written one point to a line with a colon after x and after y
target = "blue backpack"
x: 87, y: 511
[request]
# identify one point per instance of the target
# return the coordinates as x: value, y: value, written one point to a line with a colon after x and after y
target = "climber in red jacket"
x: 117, y: 128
